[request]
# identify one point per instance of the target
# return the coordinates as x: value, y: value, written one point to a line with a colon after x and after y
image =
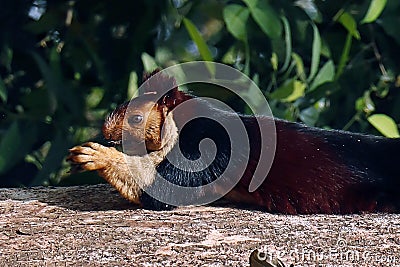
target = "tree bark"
x: 94, y: 226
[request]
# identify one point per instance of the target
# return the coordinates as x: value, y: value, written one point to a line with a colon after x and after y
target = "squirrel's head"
x: 147, y: 118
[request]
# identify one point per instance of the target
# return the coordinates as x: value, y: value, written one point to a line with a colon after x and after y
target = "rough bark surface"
x: 94, y: 226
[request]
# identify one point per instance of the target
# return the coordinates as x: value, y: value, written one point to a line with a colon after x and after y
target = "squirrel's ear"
x: 173, y: 98
x: 147, y: 75
x: 156, y: 83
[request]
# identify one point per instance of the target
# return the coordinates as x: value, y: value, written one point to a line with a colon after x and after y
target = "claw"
x: 76, y: 168
x: 114, y: 142
x: 74, y: 149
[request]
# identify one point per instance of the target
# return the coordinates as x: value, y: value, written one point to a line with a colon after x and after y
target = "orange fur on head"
x: 129, y: 119
x: 123, y: 118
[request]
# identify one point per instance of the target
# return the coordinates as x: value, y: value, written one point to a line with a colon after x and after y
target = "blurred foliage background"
x: 65, y: 64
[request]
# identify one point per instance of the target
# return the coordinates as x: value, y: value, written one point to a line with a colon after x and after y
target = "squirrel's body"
x: 314, y: 170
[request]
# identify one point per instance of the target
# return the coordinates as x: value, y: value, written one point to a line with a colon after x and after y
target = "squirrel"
x: 314, y: 170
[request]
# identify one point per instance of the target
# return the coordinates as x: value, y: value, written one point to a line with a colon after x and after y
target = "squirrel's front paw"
x: 90, y: 156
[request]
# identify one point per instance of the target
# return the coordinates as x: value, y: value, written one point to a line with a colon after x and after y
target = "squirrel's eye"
x: 135, y: 119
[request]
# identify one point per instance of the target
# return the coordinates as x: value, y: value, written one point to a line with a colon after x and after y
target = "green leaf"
x: 298, y: 91
x: 385, y: 125
x: 316, y: 52
x: 345, y: 55
x: 322, y: 91
x: 288, y: 42
x: 350, y: 24
x: 58, y: 149
x: 325, y: 49
x: 235, y: 17
x: 198, y: 40
x: 8, y: 152
x: 95, y: 97
x: 149, y: 64
x: 299, y: 66
x: 274, y: 61
x: 310, y: 8
x: 365, y: 103
x: 3, y: 91
x: 132, y: 86
x: 15, y: 143
x: 51, y: 80
x: 326, y: 74
x: 232, y: 55
x: 58, y: 90
x: 309, y: 116
x: 201, y: 44
x: 6, y: 57
x: 266, y: 17
x: 374, y: 11
x: 289, y: 91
